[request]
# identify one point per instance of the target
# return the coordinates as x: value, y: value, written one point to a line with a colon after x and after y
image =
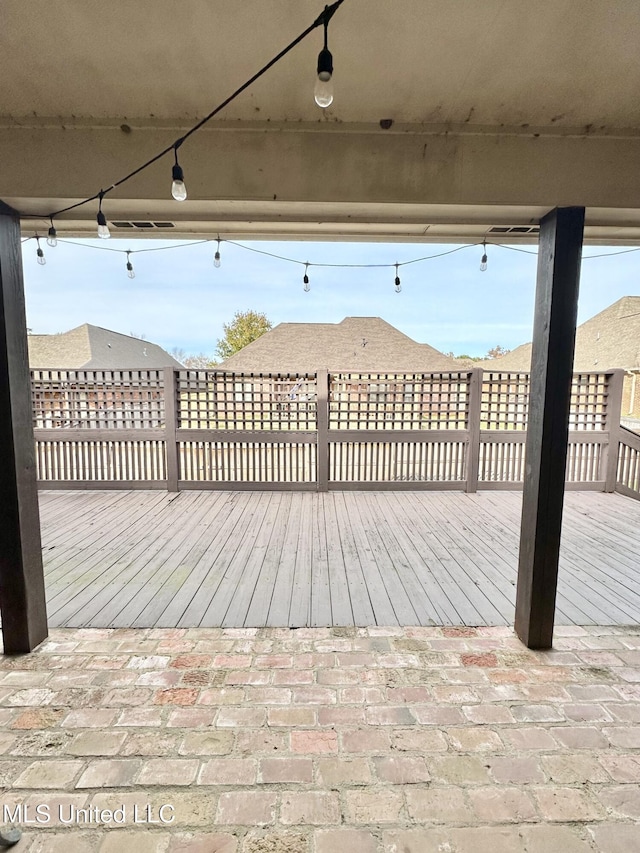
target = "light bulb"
x: 323, y: 92
x: 483, y: 262
x: 103, y: 228
x: 305, y: 280
x: 398, y: 285
x: 41, y: 258
x: 216, y: 257
x: 52, y: 239
x: 130, y: 271
x: 178, y: 188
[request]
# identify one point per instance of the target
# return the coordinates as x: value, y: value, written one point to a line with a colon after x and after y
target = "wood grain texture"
x: 253, y: 559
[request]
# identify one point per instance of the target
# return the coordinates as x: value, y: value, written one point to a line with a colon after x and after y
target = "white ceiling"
x: 553, y: 62
x: 567, y: 68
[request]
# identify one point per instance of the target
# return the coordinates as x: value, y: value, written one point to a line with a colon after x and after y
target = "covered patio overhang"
x: 449, y: 121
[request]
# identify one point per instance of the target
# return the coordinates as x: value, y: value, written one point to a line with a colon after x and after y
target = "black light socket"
x: 325, y: 64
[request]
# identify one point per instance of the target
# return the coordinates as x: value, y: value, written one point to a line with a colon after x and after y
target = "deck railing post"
x: 322, y: 425
x: 170, y: 426
x: 615, y: 382
x: 473, y: 429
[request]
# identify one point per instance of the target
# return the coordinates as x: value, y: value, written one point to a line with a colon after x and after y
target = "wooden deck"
x: 236, y: 559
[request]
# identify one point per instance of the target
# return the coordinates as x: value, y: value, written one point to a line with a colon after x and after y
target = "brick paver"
x: 374, y: 740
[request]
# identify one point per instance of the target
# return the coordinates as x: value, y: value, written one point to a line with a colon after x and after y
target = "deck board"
x: 252, y: 559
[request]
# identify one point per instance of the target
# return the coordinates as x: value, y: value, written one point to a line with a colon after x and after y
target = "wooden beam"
x: 613, y: 414
x: 473, y: 448
x: 554, y: 330
x: 322, y: 425
x: 170, y: 425
x: 22, y: 600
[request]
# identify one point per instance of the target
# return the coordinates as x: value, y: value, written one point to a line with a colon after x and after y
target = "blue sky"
x: 178, y: 299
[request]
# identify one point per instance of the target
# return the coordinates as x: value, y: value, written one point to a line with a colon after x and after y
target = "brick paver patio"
x: 369, y: 740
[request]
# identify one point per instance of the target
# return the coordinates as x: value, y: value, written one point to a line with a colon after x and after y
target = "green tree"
x: 245, y: 327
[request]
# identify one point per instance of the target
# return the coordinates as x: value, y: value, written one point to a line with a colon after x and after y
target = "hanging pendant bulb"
x: 52, y: 237
x: 305, y: 280
x: 397, y: 281
x: 103, y: 228
x: 483, y: 262
x: 130, y: 271
x: 323, y: 92
x: 178, y: 188
x: 216, y: 257
x: 41, y: 258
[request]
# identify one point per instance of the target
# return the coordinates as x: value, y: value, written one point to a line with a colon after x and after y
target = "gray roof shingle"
x: 354, y: 344
x: 93, y: 348
x: 610, y: 339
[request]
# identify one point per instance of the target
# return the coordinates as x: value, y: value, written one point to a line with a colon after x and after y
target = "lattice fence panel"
x: 254, y: 401
x: 100, y: 460
x: 505, y: 401
x: 97, y: 399
x: 247, y: 462
x: 388, y: 462
x: 398, y: 401
x: 588, y: 401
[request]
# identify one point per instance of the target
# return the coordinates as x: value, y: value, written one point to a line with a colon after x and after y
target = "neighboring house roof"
x: 608, y: 340
x: 356, y: 343
x: 93, y: 348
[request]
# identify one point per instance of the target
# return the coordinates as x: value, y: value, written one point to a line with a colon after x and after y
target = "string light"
x: 483, y: 262
x: 41, y: 258
x: 305, y: 264
x: 130, y: 271
x: 52, y: 238
x: 323, y: 92
x: 103, y: 228
x: 178, y: 188
x: 321, y: 20
x: 216, y: 257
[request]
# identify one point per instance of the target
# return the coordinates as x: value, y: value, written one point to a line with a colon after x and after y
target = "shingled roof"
x: 356, y: 343
x: 608, y: 340
x: 93, y: 348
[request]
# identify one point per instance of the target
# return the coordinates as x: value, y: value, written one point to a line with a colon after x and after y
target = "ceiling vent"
x: 514, y: 229
x: 143, y: 226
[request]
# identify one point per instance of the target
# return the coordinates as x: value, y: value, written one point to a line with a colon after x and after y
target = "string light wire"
x: 324, y: 17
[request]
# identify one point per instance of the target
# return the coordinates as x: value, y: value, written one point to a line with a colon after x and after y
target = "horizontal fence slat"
x: 427, y: 436
x: 257, y: 436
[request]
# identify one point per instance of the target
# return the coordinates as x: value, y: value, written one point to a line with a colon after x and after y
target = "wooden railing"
x: 628, y: 467
x: 191, y: 429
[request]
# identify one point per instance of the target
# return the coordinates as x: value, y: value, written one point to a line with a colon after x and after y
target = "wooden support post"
x: 22, y: 599
x: 612, y: 425
x: 554, y: 330
x: 170, y: 426
x: 473, y: 426
x: 322, y: 421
